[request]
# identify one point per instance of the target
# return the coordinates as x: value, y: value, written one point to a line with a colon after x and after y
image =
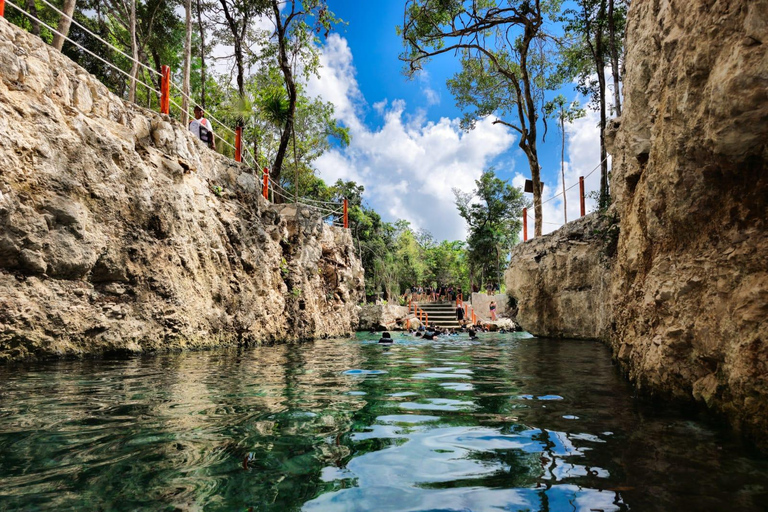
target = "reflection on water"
x: 507, y: 423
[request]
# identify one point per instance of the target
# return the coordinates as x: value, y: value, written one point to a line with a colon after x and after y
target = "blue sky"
x: 407, y: 148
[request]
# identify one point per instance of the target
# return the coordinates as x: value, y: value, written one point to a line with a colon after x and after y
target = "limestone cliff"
x: 120, y: 231
x: 562, y: 281
x: 690, y: 182
x: 688, y: 294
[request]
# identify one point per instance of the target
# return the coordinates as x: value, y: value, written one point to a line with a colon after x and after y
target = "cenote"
x: 507, y: 423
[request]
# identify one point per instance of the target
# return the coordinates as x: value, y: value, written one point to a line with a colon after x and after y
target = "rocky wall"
x: 384, y: 317
x: 481, y: 303
x: 690, y: 181
x: 562, y: 281
x: 121, y: 231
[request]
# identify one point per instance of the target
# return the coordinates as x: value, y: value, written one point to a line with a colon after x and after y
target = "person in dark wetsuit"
x: 460, y: 314
x: 386, y: 338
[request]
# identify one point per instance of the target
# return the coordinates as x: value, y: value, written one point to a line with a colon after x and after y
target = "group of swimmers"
x: 432, y: 332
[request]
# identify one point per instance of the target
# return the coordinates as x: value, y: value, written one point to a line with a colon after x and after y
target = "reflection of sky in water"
x: 419, y: 474
x: 329, y: 420
x: 438, y: 404
x: 475, y: 499
x: 364, y: 372
x: 457, y: 386
x: 435, y: 375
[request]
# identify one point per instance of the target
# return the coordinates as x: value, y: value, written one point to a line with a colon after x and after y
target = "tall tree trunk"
x: 613, y: 46
x: 134, y: 54
x: 187, y: 63
x: 529, y: 111
x: 604, y: 199
x: 290, y: 86
x: 296, y: 164
x: 32, y: 9
x: 238, y: 33
x: 562, y: 164
x: 202, y: 53
x: 63, y: 28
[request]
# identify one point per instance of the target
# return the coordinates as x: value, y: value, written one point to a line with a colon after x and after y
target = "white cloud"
x: 337, y: 82
x: 432, y: 96
x: 582, y: 159
x: 409, y: 165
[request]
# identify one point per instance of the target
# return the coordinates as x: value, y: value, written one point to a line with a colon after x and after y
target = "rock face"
x: 481, y: 304
x: 690, y: 183
x: 562, y: 281
x: 687, y: 304
x: 381, y: 317
x: 120, y: 231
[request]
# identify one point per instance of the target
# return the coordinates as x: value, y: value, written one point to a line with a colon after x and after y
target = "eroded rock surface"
x: 384, y: 317
x: 690, y: 182
x: 562, y: 281
x: 120, y: 231
x: 688, y: 293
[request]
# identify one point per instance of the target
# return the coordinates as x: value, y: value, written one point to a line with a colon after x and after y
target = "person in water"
x: 472, y: 334
x: 386, y: 338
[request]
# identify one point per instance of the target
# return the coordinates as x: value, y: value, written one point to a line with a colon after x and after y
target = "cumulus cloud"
x: 408, y: 165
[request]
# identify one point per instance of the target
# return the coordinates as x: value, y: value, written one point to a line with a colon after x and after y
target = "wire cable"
x: 71, y: 19
x: 574, y: 185
x: 81, y: 47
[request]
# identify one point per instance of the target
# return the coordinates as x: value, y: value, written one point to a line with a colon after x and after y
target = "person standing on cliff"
x: 202, y: 128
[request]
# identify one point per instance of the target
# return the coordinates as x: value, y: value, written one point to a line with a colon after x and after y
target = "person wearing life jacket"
x: 202, y: 128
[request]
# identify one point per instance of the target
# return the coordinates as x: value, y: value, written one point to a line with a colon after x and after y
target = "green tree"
x: 594, y: 30
x: 505, y: 58
x: 296, y: 22
x: 492, y: 212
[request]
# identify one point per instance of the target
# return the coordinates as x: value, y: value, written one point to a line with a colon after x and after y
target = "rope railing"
x: 327, y: 209
x: 580, y: 183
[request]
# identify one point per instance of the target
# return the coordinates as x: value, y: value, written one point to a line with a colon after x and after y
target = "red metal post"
x: 239, y: 144
x: 266, y: 184
x: 346, y: 216
x: 165, y: 90
x: 525, y: 224
x: 2, y: 8
x: 581, y: 196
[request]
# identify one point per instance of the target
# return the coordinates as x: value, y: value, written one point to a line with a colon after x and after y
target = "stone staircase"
x: 442, y: 314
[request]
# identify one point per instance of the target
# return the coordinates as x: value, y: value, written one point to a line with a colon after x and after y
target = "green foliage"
x: 492, y: 211
x: 507, y: 62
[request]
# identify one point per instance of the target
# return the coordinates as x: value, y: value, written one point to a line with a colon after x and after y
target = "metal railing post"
x: 239, y: 144
x: 581, y: 196
x: 346, y: 214
x: 525, y: 224
x: 165, y: 90
x: 265, y: 188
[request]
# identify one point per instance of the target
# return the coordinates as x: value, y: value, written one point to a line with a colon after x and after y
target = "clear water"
x: 510, y: 423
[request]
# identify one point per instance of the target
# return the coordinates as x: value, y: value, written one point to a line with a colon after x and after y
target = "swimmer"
x: 386, y: 338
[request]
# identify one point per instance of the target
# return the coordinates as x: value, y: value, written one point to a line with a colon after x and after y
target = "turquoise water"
x: 510, y: 423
